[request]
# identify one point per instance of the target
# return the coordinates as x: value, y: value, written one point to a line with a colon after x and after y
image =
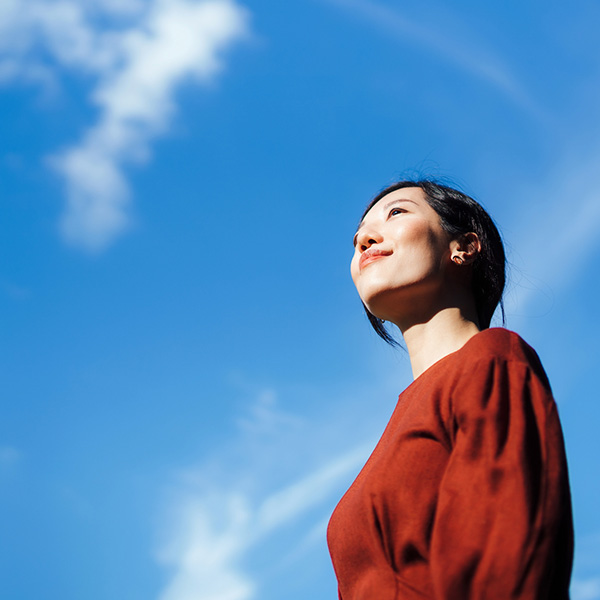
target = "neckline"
x: 450, y: 355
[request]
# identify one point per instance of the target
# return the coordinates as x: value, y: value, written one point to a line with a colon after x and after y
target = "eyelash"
x: 400, y: 210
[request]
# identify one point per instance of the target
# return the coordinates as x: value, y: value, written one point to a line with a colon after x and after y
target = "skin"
x: 404, y: 273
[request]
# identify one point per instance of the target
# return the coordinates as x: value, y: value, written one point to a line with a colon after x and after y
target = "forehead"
x: 411, y: 195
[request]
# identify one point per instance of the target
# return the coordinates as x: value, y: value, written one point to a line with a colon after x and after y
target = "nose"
x: 366, y: 237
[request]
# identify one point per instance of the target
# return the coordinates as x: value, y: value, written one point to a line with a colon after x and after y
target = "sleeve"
x: 503, y: 525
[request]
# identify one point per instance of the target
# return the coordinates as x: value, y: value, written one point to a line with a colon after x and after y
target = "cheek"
x: 417, y: 233
x: 423, y: 245
x: 354, y: 267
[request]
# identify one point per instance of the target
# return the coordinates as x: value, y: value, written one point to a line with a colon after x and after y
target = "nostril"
x: 366, y: 245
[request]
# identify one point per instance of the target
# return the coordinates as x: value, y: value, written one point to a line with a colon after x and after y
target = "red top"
x: 466, y: 495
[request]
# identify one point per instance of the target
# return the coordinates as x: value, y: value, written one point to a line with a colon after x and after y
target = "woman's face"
x: 401, y: 255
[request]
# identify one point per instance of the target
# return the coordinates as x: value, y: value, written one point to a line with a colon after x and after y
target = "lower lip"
x: 371, y: 259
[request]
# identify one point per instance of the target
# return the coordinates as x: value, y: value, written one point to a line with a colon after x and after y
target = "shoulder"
x: 500, y: 344
x: 498, y: 349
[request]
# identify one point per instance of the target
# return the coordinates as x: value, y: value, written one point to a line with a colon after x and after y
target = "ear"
x: 465, y: 249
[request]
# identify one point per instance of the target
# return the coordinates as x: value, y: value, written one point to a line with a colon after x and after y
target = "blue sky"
x: 189, y: 384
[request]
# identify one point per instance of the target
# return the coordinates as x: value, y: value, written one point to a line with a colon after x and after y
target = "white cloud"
x: 212, y: 532
x: 285, y: 505
x: 136, y: 66
x: 264, y: 416
x: 204, y: 556
x: 118, y: 7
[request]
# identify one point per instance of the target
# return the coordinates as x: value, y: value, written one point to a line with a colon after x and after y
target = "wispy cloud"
x: 224, y: 512
x: 207, y: 539
x: 212, y: 532
x: 475, y: 60
x: 136, y: 67
x: 264, y: 416
x: 287, y: 504
x: 555, y: 232
x: 586, y: 589
x: 586, y: 576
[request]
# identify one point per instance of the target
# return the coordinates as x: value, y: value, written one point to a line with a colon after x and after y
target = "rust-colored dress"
x: 466, y: 495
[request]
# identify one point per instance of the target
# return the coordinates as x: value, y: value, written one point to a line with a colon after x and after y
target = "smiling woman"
x: 466, y: 495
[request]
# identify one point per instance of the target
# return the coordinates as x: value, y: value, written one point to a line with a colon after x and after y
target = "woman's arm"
x: 503, y: 526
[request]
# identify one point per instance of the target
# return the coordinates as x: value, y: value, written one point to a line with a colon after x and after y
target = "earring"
x: 458, y: 260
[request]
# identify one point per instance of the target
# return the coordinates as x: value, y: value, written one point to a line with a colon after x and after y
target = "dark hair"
x: 460, y: 214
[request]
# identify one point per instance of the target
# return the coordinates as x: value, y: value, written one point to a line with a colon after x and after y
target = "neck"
x: 427, y: 342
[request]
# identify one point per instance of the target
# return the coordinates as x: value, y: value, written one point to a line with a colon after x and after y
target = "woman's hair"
x: 460, y: 214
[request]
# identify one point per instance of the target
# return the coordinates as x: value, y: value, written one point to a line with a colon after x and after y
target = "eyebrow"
x: 385, y: 207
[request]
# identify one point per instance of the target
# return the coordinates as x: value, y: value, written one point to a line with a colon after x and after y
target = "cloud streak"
x: 569, y: 208
x: 586, y: 589
x: 225, y: 512
x: 137, y: 67
x: 212, y: 532
x: 474, y: 61
x: 203, y: 557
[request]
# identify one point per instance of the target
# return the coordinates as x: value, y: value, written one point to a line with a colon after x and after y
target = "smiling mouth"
x: 370, y: 256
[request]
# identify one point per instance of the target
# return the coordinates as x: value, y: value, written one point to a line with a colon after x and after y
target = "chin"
x: 396, y: 304
x: 380, y: 305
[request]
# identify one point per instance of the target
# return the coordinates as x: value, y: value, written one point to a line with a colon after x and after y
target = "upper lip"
x: 371, y: 253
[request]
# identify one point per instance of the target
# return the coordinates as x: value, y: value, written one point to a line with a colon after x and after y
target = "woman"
x: 466, y: 495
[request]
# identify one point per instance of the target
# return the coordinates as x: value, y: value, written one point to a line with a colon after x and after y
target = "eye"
x: 396, y: 211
